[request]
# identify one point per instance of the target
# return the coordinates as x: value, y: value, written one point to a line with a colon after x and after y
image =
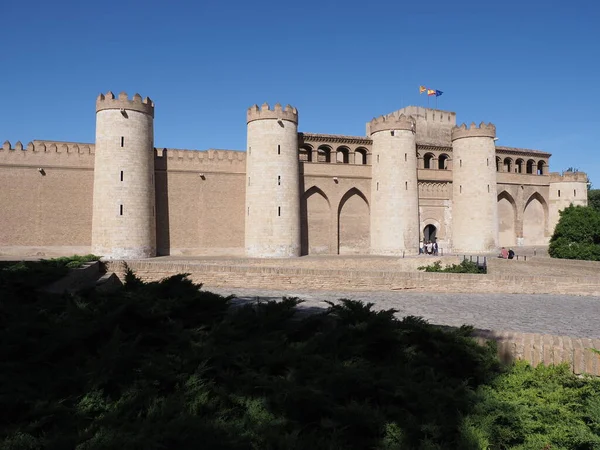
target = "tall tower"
x: 272, y: 182
x: 394, y: 189
x: 474, y: 193
x: 567, y: 189
x: 123, y: 221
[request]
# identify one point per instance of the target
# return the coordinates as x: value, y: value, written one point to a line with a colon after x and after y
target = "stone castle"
x: 414, y: 176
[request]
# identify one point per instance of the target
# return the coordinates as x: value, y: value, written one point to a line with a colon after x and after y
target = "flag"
x: 422, y: 89
x: 438, y: 93
x: 430, y: 92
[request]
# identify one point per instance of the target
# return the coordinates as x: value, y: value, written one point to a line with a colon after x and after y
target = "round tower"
x: 474, y: 193
x: 394, y: 188
x: 123, y: 221
x: 272, y: 182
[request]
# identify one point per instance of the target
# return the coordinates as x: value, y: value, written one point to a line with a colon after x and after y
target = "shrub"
x: 464, y: 267
x: 577, y: 234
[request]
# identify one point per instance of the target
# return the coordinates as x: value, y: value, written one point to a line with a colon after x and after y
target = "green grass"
x: 167, y: 365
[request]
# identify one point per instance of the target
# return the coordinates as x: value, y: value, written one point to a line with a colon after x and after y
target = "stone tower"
x: 394, y: 188
x: 123, y: 221
x: 567, y: 189
x: 272, y: 182
x: 474, y: 193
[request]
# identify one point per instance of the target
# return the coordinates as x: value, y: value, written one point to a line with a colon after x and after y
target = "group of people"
x: 506, y: 254
x: 428, y: 248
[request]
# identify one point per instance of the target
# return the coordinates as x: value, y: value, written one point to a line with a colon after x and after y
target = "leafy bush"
x: 167, y: 365
x: 577, y: 234
x: 541, y: 408
x: 464, y: 267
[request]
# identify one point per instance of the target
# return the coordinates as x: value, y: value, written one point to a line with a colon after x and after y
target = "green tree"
x: 594, y: 199
x: 577, y: 234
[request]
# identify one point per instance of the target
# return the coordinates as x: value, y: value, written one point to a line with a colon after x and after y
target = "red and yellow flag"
x: 430, y: 92
x: 422, y: 89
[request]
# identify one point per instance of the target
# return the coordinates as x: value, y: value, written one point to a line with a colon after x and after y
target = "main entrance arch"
x: 430, y: 233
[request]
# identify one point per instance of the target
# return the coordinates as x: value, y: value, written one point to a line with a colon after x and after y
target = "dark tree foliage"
x: 594, y: 199
x: 167, y: 365
x: 577, y: 234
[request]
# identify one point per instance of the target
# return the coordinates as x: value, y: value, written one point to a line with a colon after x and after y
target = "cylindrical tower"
x: 123, y: 221
x: 474, y: 193
x: 394, y: 189
x: 272, y: 183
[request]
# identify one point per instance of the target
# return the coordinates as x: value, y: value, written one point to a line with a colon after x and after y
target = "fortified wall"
x: 347, y: 194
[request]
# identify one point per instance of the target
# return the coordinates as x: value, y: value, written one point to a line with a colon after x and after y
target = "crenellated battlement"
x: 109, y: 101
x: 392, y: 121
x: 288, y: 113
x: 218, y: 160
x: 568, y: 177
x: 51, y: 147
x: 483, y: 130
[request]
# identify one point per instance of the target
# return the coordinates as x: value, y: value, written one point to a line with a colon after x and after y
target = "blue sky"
x: 531, y: 70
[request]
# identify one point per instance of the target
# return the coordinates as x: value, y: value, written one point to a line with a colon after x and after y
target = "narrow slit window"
x: 460, y: 161
x: 278, y: 180
x: 120, y: 210
x: 248, y: 210
x: 279, y: 149
x: 279, y: 210
x: 487, y: 161
x: 574, y: 193
x: 460, y: 189
x: 378, y: 185
x: 488, y: 188
x: 249, y: 150
x: 122, y: 141
x: 559, y: 192
x: 406, y: 185
x: 406, y: 157
x: 377, y: 158
x: 248, y: 181
x: 121, y: 175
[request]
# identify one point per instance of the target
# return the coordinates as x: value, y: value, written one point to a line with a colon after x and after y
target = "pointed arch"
x: 315, y: 222
x: 535, y: 219
x: 507, y: 219
x: 353, y: 217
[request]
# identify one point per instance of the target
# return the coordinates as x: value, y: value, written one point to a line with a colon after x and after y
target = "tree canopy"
x: 577, y: 234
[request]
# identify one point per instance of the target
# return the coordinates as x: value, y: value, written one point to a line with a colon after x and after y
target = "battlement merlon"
x: 109, y: 101
x: 483, y: 130
x: 569, y: 177
x: 392, y: 122
x: 288, y: 113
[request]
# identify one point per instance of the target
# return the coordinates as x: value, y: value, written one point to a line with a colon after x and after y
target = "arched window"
x: 519, y: 165
x: 428, y: 161
x: 443, y: 162
x: 508, y: 165
x: 305, y: 153
x: 530, y: 165
x: 343, y: 155
x: 360, y: 156
x: 540, y: 167
x: 324, y: 154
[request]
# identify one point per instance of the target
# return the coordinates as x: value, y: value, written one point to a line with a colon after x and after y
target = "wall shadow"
x: 163, y: 233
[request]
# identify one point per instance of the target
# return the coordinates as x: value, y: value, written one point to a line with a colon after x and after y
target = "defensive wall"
x: 200, y: 195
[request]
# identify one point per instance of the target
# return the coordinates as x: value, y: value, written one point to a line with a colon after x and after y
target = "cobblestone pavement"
x: 551, y: 314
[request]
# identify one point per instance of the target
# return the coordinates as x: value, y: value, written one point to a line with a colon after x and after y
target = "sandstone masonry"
x: 416, y: 175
